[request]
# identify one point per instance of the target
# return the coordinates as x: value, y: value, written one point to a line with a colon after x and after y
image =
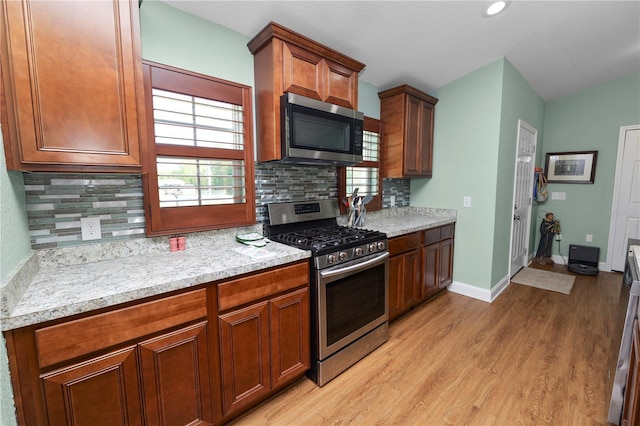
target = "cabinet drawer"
x: 404, y: 243
x: 447, y: 231
x: 432, y: 235
x: 83, y: 336
x: 259, y: 286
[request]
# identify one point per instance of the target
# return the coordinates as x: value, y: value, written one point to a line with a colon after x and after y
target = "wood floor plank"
x: 531, y: 357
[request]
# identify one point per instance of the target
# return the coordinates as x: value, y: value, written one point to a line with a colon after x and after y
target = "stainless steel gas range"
x: 349, y: 283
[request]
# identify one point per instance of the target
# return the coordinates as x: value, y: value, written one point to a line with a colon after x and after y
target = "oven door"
x: 352, y: 301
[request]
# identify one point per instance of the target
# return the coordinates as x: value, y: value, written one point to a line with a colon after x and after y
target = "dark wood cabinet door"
x: 404, y: 280
x: 411, y: 279
x: 175, y: 377
x: 425, y: 142
x: 73, y: 85
x: 290, y: 337
x: 340, y: 85
x: 102, y: 391
x: 244, y: 347
x: 302, y: 72
x: 430, y: 273
x: 412, y: 142
x: 396, y: 282
x: 445, y: 263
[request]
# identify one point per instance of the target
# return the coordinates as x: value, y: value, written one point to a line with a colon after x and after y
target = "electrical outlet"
x: 558, y: 237
x: 589, y: 238
x: 90, y: 227
x: 466, y: 201
x: 392, y: 200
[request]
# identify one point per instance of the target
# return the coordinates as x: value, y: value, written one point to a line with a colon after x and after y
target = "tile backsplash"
x: 57, y: 202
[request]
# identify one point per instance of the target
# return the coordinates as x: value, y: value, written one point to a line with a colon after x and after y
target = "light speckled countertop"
x: 404, y: 220
x: 55, y: 283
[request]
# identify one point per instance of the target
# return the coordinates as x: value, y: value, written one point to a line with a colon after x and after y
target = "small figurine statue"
x: 548, y: 228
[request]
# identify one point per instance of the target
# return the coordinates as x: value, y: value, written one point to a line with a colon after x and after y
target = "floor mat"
x: 546, y: 280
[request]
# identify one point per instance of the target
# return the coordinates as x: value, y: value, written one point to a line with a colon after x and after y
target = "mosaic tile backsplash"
x: 57, y: 202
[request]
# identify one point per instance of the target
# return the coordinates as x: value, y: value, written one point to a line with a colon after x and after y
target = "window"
x: 366, y: 175
x: 199, y: 164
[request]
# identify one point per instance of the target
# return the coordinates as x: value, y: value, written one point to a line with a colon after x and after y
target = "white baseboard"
x: 477, y: 292
x: 470, y: 291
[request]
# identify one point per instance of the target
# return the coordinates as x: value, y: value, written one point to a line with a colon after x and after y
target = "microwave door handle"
x: 347, y: 269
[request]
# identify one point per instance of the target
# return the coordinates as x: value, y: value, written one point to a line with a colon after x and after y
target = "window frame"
x: 370, y: 125
x: 175, y: 220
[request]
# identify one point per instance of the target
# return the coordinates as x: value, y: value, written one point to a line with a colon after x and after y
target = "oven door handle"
x: 357, y: 266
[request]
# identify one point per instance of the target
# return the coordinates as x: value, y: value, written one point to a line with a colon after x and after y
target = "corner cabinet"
x: 407, y: 115
x: 72, y: 89
x: 285, y: 61
x: 420, y: 266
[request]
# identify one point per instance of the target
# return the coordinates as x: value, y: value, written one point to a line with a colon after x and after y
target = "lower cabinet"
x: 404, y: 278
x: 264, y: 345
x: 170, y: 372
x: 437, y: 260
x: 199, y: 357
x: 420, y: 266
x: 100, y: 391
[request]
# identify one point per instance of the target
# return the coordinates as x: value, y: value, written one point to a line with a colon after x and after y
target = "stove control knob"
x: 331, y: 258
x: 372, y: 247
x: 342, y: 255
x: 359, y: 251
x: 380, y: 245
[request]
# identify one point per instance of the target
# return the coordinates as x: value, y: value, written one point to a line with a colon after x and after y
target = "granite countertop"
x: 56, y: 283
x: 405, y: 220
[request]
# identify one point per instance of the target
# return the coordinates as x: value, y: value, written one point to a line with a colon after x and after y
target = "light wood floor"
x: 530, y: 357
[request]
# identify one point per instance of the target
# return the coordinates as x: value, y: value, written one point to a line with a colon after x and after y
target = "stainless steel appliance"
x: 622, y: 367
x: 349, y: 283
x: 318, y: 132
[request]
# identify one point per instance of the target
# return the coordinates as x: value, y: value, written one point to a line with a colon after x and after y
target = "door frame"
x: 616, y: 191
x: 530, y: 128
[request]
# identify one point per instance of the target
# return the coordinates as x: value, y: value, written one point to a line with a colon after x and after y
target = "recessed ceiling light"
x: 494, y: 8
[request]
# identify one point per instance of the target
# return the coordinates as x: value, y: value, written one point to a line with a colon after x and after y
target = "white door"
x: 625, y: 212
x: 522, y: 196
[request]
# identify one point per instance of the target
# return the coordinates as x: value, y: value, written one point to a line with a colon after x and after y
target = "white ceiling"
x: 560, y: 47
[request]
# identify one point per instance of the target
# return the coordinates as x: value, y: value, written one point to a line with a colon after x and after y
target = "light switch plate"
x: 466, y: 201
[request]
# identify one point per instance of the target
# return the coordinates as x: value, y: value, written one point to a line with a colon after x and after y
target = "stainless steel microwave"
x: 316, y: 132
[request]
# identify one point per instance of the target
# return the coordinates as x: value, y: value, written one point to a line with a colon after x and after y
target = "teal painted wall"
x: 589, y: 120
x: 15, y: 246
x: 519, y: 101
x: 465, y: 163
x: 173, y: 37
x: 475, y: 139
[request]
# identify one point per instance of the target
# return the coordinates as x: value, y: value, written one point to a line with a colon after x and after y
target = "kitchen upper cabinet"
x: 285, y: 61
x: 407, y: 115
x: 264, y: 335
x: 72, y: 89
